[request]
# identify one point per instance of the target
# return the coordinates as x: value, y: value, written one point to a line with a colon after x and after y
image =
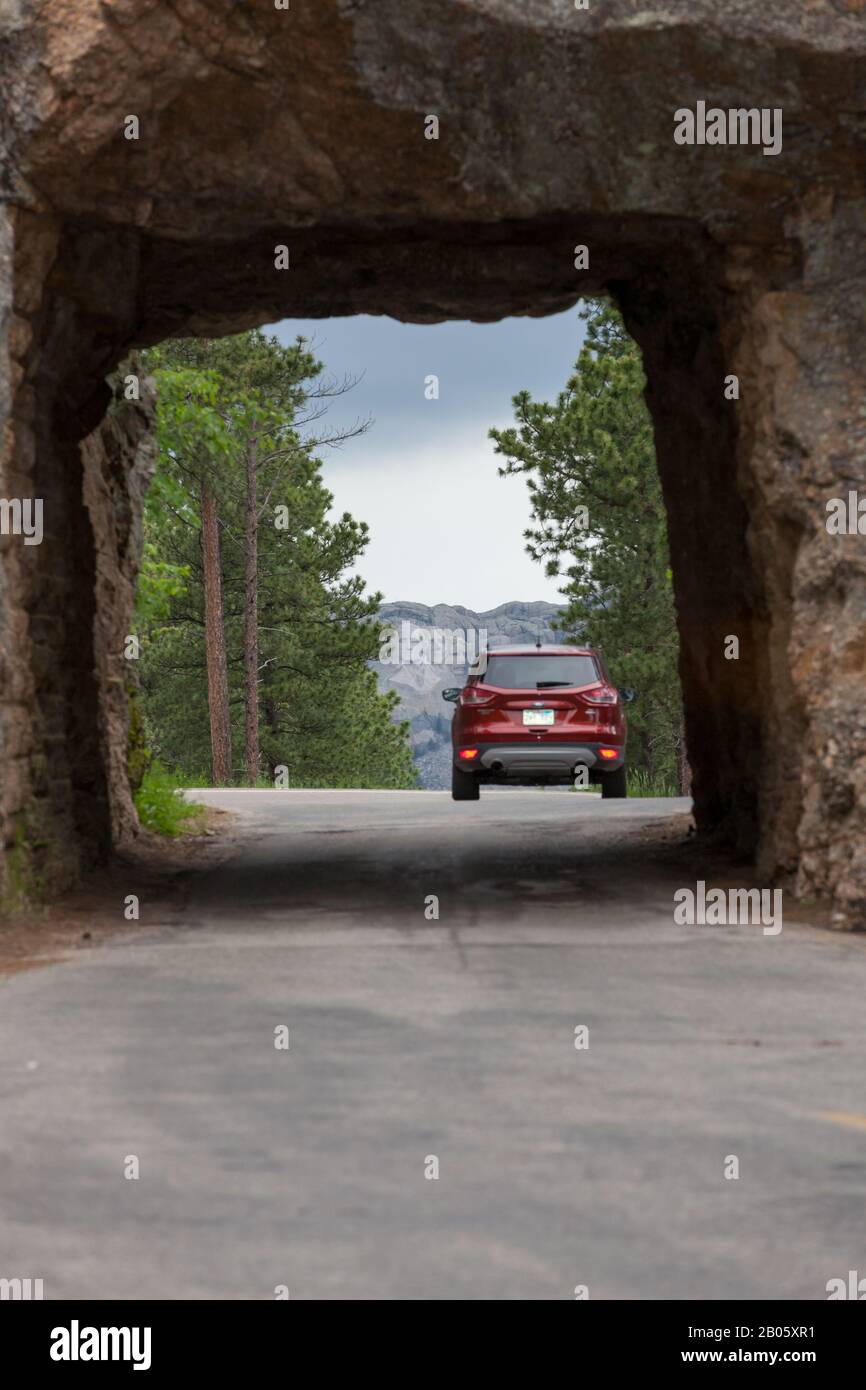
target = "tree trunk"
x: 215, y: 643
x: 684, y: 771
x: 251, y: 617
x: 269, y: 711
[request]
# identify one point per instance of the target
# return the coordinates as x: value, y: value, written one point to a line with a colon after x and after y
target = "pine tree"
x: 599, y: 522
x: 298, y: 629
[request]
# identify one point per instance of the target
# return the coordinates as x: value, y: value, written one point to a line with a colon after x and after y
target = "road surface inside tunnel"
x: 413, y: 1037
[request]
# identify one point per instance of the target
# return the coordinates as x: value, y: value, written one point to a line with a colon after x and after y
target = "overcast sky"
x: 444, y: 528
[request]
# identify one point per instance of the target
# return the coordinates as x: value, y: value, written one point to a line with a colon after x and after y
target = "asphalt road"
x: 411, y: 1038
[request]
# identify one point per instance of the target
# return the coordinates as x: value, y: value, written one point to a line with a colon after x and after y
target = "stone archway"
x: 307, y: 128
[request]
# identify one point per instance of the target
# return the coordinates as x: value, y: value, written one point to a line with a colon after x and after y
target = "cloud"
x: 444, y: 527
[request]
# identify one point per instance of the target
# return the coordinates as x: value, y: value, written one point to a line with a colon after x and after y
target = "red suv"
x: 538, y: 714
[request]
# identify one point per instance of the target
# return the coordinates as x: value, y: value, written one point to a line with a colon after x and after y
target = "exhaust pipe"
x: 496, y: 766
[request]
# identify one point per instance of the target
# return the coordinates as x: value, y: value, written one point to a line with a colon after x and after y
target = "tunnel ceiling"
x: 307, y: 126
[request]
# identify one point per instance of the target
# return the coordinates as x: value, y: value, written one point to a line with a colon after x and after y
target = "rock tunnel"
x: 308, y: 127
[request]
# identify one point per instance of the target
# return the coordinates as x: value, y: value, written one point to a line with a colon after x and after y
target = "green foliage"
x: 320, y: 714
x: 593, y: 449
x: 159, y: 582
x: 643, y: 783
x: 22, y: 888
x: 640, y: 783
x: 160, y: 803
x: 373, y: 750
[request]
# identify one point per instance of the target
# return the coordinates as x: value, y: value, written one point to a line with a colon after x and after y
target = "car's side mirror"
x: 627, y: 693
x: 452, y: 693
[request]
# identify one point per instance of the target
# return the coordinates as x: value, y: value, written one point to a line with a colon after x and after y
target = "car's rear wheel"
x: 614, y: 784
x: 464, y: 785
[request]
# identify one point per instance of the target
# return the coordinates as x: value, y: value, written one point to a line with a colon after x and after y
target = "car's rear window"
x: 532, y: 672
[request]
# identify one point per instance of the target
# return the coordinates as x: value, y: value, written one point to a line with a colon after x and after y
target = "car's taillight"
x: 608, y: 752
x: 605, y: 695
x: 468, y: 753
x: 475, y: 695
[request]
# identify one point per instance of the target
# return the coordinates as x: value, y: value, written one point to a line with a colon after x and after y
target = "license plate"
x: 538, y: 716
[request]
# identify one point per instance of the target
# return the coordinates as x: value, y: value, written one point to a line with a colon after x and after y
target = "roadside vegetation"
x: 255, y: 630
x: 640, y: 783
x: 643, y: 783
x: 161, y: 804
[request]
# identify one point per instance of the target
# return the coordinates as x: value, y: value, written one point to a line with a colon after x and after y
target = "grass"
x: 295, y: 783
x: 161, y: 805
x: 641, y: 783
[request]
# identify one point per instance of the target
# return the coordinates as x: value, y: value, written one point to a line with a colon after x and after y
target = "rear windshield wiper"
x: 549, y: 685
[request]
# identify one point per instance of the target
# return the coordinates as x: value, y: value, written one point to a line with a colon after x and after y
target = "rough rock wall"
x: 306, y: 127
x: 54, y: 796
x: 810, y: 445
x: 67, y: 602
x: 777, y: 739
x: 119, y: 459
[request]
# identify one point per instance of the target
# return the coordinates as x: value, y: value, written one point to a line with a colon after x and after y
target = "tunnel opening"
x: 672, y: 305
x: 118, y: 456
x: 445, y: 528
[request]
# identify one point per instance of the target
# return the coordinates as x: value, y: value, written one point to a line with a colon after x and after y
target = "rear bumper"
x: 544, y: 760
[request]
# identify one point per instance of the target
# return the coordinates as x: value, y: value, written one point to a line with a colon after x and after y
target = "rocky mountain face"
x: 430, y: 649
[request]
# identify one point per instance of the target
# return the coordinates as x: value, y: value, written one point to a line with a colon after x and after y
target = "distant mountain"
x: 428, y: 653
